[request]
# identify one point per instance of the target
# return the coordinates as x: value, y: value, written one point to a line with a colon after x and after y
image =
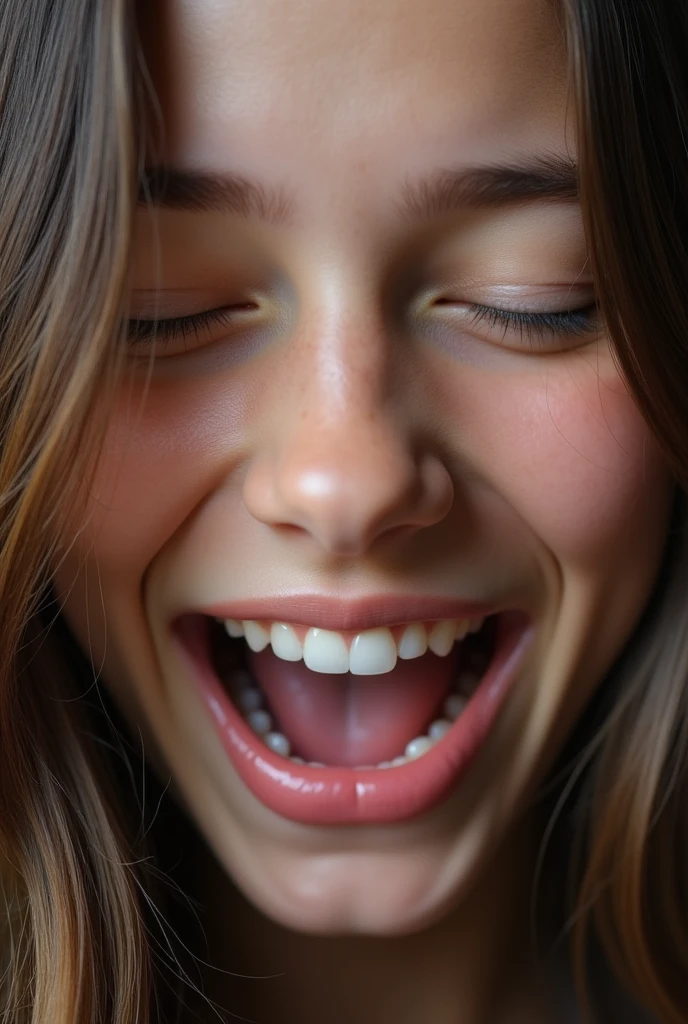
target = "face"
x: 383, y: 416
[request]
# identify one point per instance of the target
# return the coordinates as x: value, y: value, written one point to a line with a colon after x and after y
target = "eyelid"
x: 529, y: 298
x: 544, y: 332
x: 580, y: 321
x: 145, y: 329
x: 546, y: 318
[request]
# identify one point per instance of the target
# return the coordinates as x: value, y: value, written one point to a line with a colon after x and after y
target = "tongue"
x: 353, y: 720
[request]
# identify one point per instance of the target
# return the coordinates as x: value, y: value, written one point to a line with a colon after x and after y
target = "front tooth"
x: 325, y: 651
x: 256, y: 636
x: 414, y: 641
x: 442, y: 636
x: 234, y: 628
x: 372, y: 653
x: 476, y: 625
x: 285, y: 643
x: 417, y: 747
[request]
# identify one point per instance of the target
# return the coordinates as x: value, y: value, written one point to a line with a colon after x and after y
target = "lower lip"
x: 350, y: 796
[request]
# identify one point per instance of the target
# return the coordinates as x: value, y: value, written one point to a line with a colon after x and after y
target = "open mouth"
x: 365, y: 705
x: 344, y: 727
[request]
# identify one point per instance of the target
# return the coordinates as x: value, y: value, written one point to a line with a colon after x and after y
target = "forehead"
x: 293, y: 84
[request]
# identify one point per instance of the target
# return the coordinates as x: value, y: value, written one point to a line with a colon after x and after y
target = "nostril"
x: 289, y: 529
x: 394, y: 534
x: 349, y: 490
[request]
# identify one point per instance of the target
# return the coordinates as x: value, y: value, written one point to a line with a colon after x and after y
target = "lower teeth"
x: 249, y: 700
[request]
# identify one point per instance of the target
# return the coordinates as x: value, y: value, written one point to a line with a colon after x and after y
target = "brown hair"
x: 629, y: 63
x: 76, y: 945
x: 74, y: 940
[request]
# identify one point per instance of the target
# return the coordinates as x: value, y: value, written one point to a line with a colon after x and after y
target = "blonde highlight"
x: 69, y: 117
x: 68, y: 176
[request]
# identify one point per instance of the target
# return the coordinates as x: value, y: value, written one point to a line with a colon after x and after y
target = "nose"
x: 340, y: 460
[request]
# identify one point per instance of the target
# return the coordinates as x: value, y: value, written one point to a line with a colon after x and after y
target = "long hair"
x: 74, y: 941
x: 76, y: 945
x: 629, y: 62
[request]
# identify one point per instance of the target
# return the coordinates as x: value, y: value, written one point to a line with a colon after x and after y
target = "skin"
x: 452, y: 458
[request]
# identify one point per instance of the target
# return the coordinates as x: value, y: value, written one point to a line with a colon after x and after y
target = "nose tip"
x: 348, y: 491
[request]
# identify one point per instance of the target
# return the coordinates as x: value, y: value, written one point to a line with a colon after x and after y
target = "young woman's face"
x: 400, y: 417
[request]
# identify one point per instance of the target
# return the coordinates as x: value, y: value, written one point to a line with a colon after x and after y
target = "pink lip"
x: 338, y: 614
x: 350, y: 796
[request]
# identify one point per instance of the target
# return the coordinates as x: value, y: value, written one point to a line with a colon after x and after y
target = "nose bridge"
x: 339, y: 462
x: 344, y: 369
x: 348, y: 443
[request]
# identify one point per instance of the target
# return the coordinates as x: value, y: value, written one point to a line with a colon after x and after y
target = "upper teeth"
x: 370, y: 652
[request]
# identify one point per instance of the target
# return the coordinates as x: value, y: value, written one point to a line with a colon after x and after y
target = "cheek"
x: 164, y: 453
x: 572, y: 454
x: 565, y: 447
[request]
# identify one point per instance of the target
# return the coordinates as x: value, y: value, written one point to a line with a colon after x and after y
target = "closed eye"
x: 570, y: 322
x: 140, y: 330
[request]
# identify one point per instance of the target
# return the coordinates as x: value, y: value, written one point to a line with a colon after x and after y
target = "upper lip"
x: 336, y: 613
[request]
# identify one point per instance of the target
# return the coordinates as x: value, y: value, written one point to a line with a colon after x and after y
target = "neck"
x: 476, y: 964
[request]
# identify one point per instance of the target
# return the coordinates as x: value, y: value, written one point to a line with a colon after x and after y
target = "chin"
x: 355, y: 884
x: 347, y: 905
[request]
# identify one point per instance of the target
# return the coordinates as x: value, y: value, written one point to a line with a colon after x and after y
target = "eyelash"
x: 572, y: 322
x: 177, y: 326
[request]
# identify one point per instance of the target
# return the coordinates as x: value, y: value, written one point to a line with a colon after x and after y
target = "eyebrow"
x: 545, y: 178
x: 202, y: 191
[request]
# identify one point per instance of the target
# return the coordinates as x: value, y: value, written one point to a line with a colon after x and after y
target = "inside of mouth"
x: 351, y: 720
